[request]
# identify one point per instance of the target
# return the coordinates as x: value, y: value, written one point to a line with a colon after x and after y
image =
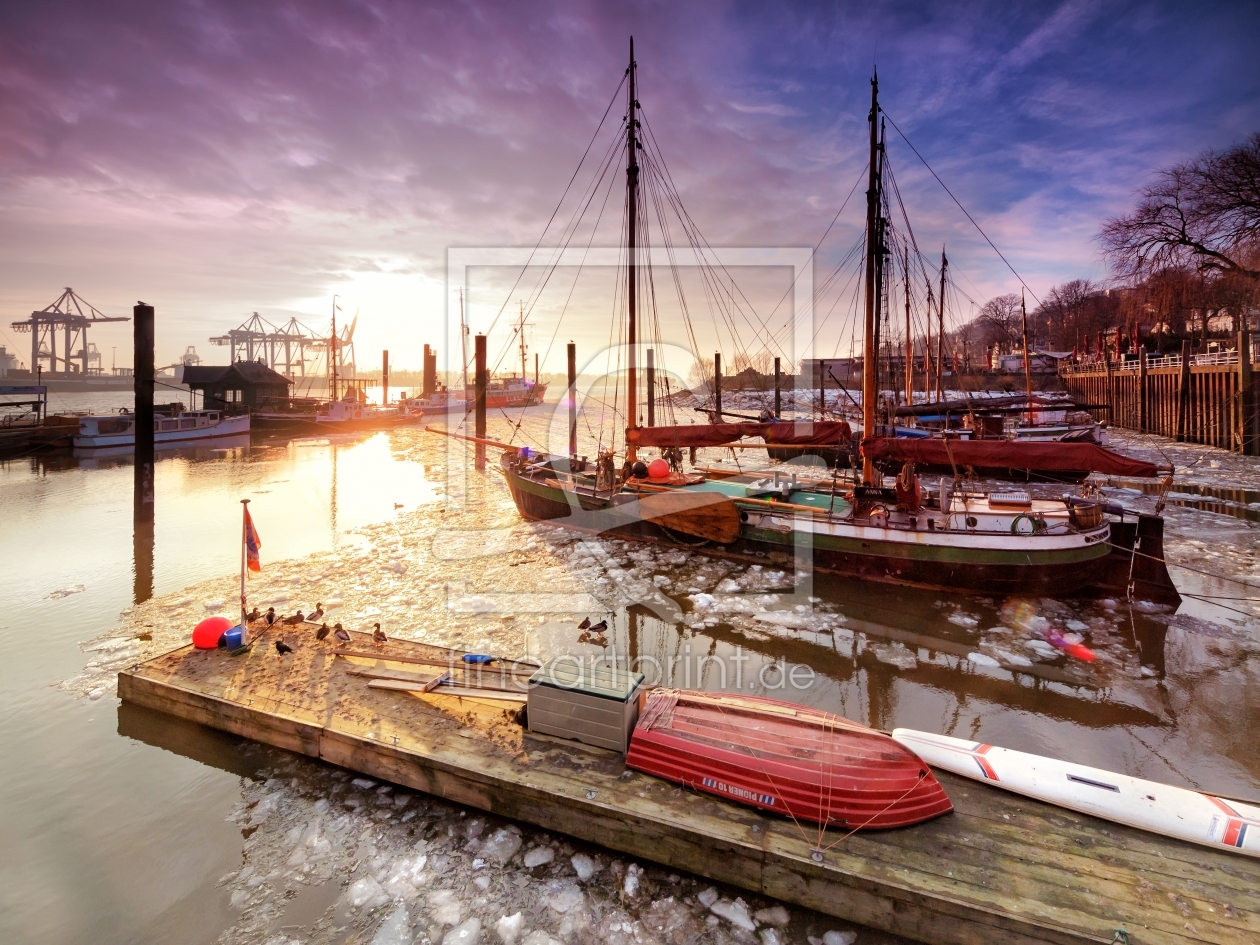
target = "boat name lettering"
x: 767, y: 799
x: 1091, y: 539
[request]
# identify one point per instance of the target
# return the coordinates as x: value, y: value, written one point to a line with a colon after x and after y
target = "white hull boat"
x: 1183, y: 814
x: 189, y: 428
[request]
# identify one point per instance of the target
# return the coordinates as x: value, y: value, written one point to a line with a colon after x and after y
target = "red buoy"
x: 206, y: 634
x: 658, y: 469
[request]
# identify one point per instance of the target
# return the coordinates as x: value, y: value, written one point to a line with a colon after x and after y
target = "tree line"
x: 1185, y: 265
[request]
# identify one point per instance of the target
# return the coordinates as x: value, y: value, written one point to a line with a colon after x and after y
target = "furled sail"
x: 775, y: 433
x: 1007, y: 454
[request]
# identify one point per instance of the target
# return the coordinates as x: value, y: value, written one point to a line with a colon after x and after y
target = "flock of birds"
x: 339, y: 633
x: 591, y: 632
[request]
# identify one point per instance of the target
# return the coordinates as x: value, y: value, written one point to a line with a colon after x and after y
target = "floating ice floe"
x: 65, y: 592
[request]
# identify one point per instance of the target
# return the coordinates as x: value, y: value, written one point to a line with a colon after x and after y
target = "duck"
x: 378, y: 636
x: 341, y: 634
x: 586, y: 622
x: 322, y: 632
x: 599, y: 627
x: 295, y: 619
x: 253, y: 614
x: 317, y: 614
x: 270, y: 616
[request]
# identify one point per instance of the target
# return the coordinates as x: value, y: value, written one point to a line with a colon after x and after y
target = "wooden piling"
x: 479, y: 392
x: 1247, y: 432
x: 384, y: 378
x: 778, y: 390
x: 1143, y: 417
x: 717, y: 387
x: 143, y: 335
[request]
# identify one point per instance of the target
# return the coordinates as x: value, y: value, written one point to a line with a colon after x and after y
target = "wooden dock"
x: 1000, y: 870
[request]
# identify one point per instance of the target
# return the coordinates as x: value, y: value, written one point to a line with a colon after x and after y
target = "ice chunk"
x: 631, y: 886
x: 509, y: 927
x: 775, y: 915
x: 65, y: 592
x: 366, y: 893
x: 539, y: 937
x: 584, y: 866
x: 1011, y: 659
x: 539, y: 856
x: 782, y: 619
x: 702, y: 601
x: 216, y: 604
x: 962, y: 620
x: 771, y: 936
x: 444, y: 907
x: 981, y: 659
x: 465, y: 934
x: 502, y: 846
x: 708, y: 897
x: 363, y: 784
x: 395, y: 929
x: 895, y: 654
x: 563, y: 896
x: 735, y: 913
x: 839, y: 938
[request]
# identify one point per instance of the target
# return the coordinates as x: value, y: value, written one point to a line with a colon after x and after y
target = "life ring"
x: 1036, y: 524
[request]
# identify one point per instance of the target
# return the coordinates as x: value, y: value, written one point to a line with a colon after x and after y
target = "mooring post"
x: 1247, y: 433
x: 717, y: 387
x: 651, y: 387
x: 385, y: 378
x: 142, y: 500
x: 572, y: 398
x: 429, y: 381
x: 1183, y: 393
x: 778, y: 389
x: 479, y: 387
x: 822, y: 384
x: 1141, y: 392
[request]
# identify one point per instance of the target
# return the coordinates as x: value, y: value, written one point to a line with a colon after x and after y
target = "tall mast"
x: 463, y: 343
x: 521, y: 329
x: 940, y: 333
x: 909, y: 343
x: 927, y: 348
x: 869, y: 352
x: 1023, y: 320
x: 632, y: 206
x: 332, y: 355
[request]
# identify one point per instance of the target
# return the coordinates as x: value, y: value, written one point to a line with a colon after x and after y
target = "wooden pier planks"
x: 1001, y: 869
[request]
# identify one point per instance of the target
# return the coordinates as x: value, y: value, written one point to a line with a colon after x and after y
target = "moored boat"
x: 1196, y: 817
x: 790, y: 759
x: 99, y: 431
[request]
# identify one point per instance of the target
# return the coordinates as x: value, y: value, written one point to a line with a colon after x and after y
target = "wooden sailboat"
x: 959, y: 539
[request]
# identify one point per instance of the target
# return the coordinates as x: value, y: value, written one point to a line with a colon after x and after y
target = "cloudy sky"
x: 218, y: 159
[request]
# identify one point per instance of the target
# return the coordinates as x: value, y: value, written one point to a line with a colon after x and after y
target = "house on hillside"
x: 235, y: 387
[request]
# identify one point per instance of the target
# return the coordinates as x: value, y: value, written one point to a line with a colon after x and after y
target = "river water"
x: 121, y: 825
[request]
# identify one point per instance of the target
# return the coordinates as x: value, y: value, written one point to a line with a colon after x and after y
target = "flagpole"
x: 244, y: 541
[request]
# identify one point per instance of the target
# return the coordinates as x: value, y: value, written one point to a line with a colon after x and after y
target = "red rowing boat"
x: 794, y: 760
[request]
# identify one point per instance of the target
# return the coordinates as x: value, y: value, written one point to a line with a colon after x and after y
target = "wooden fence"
x: 1206, y: 399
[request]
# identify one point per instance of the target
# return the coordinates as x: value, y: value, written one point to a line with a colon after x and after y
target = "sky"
x: 218, y: 159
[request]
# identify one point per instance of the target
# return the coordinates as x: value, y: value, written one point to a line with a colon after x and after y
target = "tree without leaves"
x: 1204, y: 213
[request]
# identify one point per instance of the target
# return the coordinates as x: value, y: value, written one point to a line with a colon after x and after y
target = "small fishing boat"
x: 191, y: 427
x: 797, y: 761
x: 1147, y: 805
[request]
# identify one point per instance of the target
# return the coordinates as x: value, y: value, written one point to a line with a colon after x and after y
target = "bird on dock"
x: 341, y: 634
x: 322, y: 631
x: 295, y: 619
x: 599, y: 627
x: 378, y: 636
x: 317, y: 614
x: 253, y: 614
x: 281, y: 649
x: 270, y: 616
x: 586, y: 622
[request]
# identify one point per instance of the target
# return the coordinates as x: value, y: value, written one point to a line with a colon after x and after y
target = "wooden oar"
x: 443, y: 679
x: 447, y: 690
x: 425, y: 661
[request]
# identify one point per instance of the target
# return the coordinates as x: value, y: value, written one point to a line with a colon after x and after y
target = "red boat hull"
x: 785, y: 758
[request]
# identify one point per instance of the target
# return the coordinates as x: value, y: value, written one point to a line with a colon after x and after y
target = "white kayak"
x: 1147, y: 805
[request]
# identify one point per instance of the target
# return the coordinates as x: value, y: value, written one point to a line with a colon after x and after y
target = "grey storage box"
x: 597, y: 705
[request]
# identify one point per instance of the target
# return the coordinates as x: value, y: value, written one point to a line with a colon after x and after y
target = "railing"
x: 1212, y: 358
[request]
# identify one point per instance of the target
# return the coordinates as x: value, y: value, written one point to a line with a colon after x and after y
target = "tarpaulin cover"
x: 826, y: 433
x: 1007, y: 454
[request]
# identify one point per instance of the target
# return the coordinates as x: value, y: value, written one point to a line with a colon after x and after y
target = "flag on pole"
x: 252, y: 543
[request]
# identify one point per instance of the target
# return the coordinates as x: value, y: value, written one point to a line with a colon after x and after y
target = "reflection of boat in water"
x: 789, y: 759
x: 339, y: 416
x: 189, y: 427
x: 98, y: 458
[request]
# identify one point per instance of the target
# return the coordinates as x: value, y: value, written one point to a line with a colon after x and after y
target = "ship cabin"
x: 238, y: 387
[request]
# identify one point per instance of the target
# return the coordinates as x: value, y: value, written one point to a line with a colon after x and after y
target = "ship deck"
x: 1001, y: 869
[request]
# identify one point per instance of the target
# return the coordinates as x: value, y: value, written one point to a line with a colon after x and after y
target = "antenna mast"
x: 869, y: 353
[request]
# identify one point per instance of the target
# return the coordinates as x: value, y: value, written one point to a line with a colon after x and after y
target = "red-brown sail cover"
x: 783, y: 433
x: 1007, y: 454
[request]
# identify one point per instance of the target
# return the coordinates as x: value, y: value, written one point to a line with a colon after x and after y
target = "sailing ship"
x: 959, y: 537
